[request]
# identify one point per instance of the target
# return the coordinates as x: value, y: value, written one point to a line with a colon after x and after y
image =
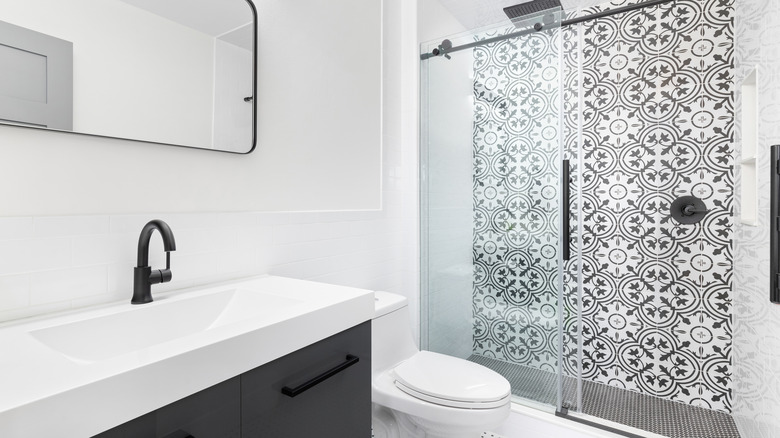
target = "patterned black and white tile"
x: 516, y: 144
x: 648, y: 115
x: 656, y: 332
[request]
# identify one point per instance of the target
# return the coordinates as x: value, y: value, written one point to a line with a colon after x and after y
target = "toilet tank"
x: 392, y: 339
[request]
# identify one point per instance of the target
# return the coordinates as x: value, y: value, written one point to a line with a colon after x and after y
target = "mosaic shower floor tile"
x: 653, y: 414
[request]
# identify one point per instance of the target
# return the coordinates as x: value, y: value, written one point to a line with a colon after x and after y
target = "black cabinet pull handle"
x: 292, y: 392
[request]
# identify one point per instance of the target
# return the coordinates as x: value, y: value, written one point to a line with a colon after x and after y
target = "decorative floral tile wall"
x: 516, y: 178
x: 648, y: 113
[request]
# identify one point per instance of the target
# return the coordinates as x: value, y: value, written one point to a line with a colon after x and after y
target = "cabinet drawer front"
x: 211, y: 413
x: 337, y: 406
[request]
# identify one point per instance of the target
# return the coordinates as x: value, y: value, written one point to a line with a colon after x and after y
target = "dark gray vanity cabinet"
x: 334, y: 380
x: 214, y: 412
x: 337, y: 407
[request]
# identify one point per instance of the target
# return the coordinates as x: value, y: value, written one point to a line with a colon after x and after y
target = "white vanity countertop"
x: 46, y: 392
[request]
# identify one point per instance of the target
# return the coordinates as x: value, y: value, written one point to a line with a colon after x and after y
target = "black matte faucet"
x: 144, y: 276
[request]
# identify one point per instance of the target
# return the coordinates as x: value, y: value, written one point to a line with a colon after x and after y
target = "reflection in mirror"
x: 177, y: 72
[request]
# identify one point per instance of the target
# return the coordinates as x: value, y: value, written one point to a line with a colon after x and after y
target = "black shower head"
x: 530, y: 8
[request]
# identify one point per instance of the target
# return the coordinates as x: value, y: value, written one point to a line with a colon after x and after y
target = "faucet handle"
x: 160, y: 276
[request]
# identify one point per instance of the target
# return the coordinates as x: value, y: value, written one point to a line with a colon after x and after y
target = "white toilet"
x: 420, y: 394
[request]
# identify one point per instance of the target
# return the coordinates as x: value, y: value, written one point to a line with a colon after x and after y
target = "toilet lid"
x: 451, y: 381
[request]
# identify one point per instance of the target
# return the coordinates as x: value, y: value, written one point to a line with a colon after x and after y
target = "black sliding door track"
x: 564, y: 413
x: 538, y: 28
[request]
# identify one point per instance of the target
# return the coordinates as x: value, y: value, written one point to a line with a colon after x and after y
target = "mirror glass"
x: 177, y: 72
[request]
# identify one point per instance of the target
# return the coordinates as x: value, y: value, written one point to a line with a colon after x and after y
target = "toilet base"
x: 383, y: 423
x: 427, y: 429
x: 392, y: 424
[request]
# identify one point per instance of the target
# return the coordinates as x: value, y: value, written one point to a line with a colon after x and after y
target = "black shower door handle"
x: 774, y: 226
x: 565, y: 211
x: 314, y: 381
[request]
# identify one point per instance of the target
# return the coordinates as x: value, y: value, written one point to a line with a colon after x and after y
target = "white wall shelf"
x: 749, y: 138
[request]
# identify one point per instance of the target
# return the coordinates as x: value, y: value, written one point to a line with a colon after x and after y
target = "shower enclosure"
x: 493, y: 127
x: 552, y: 150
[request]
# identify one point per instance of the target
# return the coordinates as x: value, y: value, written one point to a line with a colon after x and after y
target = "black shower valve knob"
x: 688, y: 210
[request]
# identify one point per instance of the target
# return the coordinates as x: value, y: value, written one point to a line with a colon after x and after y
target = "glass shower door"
x: 493, y: 207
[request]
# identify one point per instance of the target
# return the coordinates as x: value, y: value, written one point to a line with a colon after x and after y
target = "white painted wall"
x: 319, y: 135
x: 135, y: 74
x: 58, y: 262
x: 232, y: 83
x: 447, y: 123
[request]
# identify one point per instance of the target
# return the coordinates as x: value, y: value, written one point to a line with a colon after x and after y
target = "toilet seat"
x: 449, y: 381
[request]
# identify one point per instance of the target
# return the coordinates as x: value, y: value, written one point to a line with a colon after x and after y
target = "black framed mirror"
x: 172, y: 72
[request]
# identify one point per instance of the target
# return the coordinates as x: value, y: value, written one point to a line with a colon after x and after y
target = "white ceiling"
x: 479, y: 13
x: 212, y: 17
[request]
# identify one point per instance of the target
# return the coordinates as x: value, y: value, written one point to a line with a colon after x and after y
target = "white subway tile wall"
x: 59, y: 263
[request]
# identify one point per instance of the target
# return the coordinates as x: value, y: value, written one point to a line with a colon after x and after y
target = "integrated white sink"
x: 79, y: 373
x: 143, y: 326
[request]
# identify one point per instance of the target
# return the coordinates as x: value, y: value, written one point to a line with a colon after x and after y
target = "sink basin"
x: 135, y: 328
x: 69, y: 367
